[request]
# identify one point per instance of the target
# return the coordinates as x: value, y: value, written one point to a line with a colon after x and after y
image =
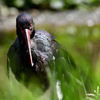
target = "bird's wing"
x: 62, y: 66
x: 51, y: 49
x: 43, y: 42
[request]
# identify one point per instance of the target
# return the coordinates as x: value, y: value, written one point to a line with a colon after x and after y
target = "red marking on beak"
x: 27, y: 39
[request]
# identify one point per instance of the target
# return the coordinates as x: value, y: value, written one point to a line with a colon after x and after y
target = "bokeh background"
x: 75, y: 23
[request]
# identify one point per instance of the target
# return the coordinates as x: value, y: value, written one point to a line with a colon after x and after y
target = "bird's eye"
x: 30, y: 28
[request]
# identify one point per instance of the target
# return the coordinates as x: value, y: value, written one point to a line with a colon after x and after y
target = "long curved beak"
x: 28, y: 42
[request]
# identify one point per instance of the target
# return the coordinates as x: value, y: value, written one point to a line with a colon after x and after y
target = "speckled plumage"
x: 46, y: 53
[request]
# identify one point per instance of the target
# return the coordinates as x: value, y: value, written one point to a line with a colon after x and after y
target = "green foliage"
x: 51, y: 4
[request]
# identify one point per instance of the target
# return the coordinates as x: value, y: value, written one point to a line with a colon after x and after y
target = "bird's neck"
x: 23, y: 45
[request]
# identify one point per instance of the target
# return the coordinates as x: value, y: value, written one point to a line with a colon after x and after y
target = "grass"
x: 83, y: 44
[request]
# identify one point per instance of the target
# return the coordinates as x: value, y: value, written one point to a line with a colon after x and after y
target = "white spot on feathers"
x: 53, y: 57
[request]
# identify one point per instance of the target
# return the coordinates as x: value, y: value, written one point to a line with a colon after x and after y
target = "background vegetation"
x: 51, y: 4
x: 82, y: 41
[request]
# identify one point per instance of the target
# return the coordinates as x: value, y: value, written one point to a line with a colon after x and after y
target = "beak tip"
x: 32, y: 64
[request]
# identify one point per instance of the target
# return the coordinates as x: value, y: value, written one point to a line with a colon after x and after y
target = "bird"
x: 35, y: 51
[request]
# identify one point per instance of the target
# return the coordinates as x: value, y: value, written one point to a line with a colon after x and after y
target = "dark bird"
x: 33, y: 52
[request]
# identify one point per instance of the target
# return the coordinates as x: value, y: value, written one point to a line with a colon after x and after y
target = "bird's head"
x: 25, y: 30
